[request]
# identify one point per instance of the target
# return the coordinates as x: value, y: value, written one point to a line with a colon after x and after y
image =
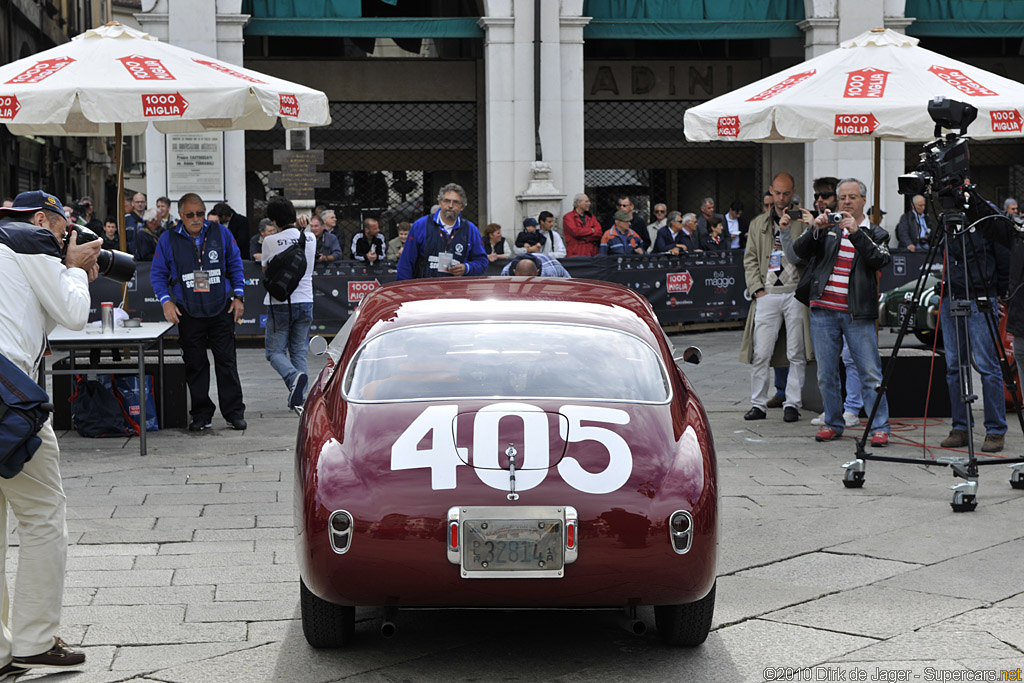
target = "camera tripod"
x: 951, y: 223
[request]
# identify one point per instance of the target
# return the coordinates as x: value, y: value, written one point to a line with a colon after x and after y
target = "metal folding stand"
x: 965, y: 493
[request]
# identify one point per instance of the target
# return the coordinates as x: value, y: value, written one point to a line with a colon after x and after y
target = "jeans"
x: 769, y: 314
x: 287, y: 339
x: 781, y: 377
x: 985, y: 359
x: 855, y: 400
x: 828, y: 329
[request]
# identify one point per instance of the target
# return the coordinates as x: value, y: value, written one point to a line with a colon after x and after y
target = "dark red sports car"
x: 505, y: 442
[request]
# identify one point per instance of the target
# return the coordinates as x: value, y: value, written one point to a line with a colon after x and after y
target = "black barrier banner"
x: 702, y: 288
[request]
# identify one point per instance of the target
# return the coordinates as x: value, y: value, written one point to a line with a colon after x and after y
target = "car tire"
x: 325, y: 624
x: 927, y: 337
x: 686, y: 625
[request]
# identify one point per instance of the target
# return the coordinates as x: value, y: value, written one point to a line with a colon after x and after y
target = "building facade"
x: 526, y: 103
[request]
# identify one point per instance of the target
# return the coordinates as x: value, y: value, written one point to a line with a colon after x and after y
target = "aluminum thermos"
x: 107, y: 317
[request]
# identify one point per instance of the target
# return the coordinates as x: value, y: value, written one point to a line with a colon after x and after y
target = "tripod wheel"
x: 1017, y: 479
x: 963, y: 503
x: 853, y: 480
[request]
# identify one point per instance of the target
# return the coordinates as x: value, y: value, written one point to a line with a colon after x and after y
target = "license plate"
x: 512, y: 544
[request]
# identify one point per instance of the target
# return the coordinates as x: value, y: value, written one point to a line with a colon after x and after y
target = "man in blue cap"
x: 41, y: 290
x: 197, y: 276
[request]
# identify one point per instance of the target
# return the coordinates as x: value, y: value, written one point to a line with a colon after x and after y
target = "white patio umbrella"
x: 116, y: 81
x: 873, y: 87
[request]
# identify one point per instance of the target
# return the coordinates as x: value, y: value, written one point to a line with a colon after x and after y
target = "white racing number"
x: 442, y: 457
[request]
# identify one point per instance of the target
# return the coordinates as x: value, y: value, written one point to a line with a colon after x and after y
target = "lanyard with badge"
x: 200, y: 277
x: 445, y: 258
x: 775, y: 258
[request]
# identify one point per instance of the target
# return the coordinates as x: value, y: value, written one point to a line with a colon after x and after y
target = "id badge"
x: 775, y: 261
x: 201, y: 280
x: 444, y: 261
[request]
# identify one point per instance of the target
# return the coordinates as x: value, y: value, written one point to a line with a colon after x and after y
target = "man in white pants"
x: 771, y: 280
x: 40, y: 291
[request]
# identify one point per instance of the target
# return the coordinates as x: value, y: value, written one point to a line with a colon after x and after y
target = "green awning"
x: 638, y: 29
x: 966, y: 18
x: 692, y: 19
x: 369, y: 27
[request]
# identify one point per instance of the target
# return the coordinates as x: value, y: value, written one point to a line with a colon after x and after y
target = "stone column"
x: 501, y: 120
x: 213, y: 29
x: 571, y: 91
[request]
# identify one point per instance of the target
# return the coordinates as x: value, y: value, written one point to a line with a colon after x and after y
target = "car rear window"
x: 506, y: 360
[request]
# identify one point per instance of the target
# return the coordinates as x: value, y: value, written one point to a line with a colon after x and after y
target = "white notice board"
x: 195, y: 163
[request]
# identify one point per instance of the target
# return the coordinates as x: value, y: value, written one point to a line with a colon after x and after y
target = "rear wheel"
x: 686, y: 625
x: 325, y: 624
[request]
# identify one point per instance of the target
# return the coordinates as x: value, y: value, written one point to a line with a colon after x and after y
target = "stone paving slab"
x: 811, y: 573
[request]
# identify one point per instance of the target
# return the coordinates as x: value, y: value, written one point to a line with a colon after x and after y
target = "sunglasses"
x: 824, y: 195
x: 193, y: 214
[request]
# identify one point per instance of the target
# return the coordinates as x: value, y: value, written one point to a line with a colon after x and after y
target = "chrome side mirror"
x: 318, y: 345
x: 691, y: 355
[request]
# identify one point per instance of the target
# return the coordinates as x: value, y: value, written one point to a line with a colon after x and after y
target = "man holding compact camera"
x: 41, y: 291
x: 771, y: 282
x: 843, y: 297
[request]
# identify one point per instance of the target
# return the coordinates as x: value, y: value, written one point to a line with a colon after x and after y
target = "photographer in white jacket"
x: 40, y: 291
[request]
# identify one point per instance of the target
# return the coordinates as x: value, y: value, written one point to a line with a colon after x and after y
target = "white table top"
x: 121, y: 335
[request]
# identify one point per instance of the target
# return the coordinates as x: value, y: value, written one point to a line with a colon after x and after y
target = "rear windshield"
x: 506, y: 360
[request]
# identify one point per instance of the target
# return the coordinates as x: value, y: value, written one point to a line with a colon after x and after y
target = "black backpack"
x: 96, y: 412
x: 285, y: 271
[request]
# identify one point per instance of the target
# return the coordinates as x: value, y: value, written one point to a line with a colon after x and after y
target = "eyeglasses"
x: 824, y: 195
x: 193, y: 214
x: 451, y: 202
x: 659, y: 211
x: 624, y: 206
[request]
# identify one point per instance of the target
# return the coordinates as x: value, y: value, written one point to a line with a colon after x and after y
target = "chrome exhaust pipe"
x: 388, y: 629
x: 637, y: 627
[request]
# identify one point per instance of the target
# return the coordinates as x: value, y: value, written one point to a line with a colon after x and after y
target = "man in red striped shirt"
x: 844, y: 302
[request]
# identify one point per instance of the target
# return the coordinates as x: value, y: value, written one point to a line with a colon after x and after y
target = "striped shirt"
x: 836, y: 294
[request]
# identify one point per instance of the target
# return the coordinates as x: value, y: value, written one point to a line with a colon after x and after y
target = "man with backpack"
x: 288, y: 258
x: 42, y: 287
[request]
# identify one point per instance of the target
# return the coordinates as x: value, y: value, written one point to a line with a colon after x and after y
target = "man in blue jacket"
x: 197, y: 276
x: 445, y: 243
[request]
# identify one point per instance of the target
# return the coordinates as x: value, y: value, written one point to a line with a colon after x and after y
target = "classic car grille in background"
x: 385, y: 159
x: 638, y: 148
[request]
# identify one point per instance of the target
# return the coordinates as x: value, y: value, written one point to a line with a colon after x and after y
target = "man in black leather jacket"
x: 844, y: 260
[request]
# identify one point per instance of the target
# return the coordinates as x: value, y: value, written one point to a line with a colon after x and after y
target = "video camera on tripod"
x: 945, y: 162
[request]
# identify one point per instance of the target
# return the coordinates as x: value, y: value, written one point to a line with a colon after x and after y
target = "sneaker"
x: 755, y: 413
x: 200, y: 424
x: 827, y: 434
x: 790, y: 414
x: 10, y: 671
x: 238, y: 424
x: 957, y: 439
x: 993, y: 443
x: 880, y: 439
x: 819, y: 421
x: 850, y: 419
x: 776, y: 401
x: 295, y: 394
x: 60, y: 655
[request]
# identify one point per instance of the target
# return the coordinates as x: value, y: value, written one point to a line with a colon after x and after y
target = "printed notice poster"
x: 195, y: 163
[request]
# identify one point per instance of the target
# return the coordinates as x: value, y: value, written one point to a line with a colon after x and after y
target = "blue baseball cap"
x: 529, y: 221
x: 36, y: 200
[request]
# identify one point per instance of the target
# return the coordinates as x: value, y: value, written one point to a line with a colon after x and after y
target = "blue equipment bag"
x: 24, y: 409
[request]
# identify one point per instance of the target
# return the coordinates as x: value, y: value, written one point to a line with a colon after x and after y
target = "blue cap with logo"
x: 529, y: 221
x: 36, y: 200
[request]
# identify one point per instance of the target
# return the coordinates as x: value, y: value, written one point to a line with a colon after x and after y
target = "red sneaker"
x: 827, y: 434
x: 880, y: 439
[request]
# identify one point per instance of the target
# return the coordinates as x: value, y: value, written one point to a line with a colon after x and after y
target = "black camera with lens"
x: 835, y: 217
x: 115, y: 265
x: 945, y: 162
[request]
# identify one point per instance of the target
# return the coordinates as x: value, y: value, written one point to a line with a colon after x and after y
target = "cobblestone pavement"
x: 182, y: 566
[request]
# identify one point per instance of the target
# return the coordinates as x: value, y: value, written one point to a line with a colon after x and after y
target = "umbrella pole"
x: 876, y: 210
x: 119, y: 153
